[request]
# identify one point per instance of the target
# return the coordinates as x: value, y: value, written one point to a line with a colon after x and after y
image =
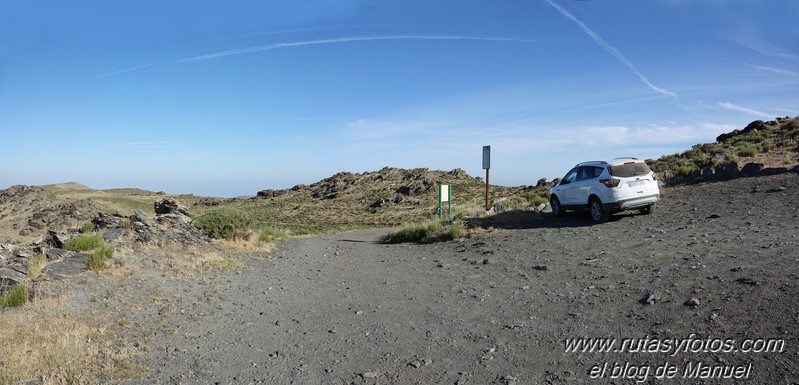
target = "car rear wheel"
x: 557, y: 209
x: 646, y: 210
x: 598, y: 212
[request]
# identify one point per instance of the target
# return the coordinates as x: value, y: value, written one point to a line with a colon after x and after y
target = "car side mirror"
x: 564, y: 181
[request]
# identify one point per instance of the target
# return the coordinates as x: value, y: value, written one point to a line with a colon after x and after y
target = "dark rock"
x: 754, y: 126
x: 10, y: 277
x: 747, y: 281
x: 71, y: 266
x: 108, y: 221
x: 541, y: 267
x: 55, y: 254
x: 718, y: 156
x: 170, y: 206
x: 752, y: 169
x: 708, y: 173
x: 713, y: 216
x: 727, y: 171
x: 54, y: 239
x: 776, y: 189
x: 269, y: 193
x: 542, y: 182
x: 113, y: 234
x: 775, y: 170
x: 648, y: 299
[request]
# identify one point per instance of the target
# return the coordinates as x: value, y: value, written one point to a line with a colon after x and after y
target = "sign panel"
x: 445, y: 193
x: 486, y: 157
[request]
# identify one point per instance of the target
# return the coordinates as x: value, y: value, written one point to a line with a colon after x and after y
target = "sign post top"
x: 486, y: 157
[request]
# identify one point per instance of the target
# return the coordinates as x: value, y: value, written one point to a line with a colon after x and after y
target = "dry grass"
x: 187, y: 261
x: 53, y: 344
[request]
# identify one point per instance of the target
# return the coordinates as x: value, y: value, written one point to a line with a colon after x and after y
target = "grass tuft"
x: 15, y: 297
x: 83, y: 242
x: 87, y: 227
x: 35, y: 265
x: 225, y: 223
x: 429, y: 232
x: 270, y: 234
x: 97, y: 260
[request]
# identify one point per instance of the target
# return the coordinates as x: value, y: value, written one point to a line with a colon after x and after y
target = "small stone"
x: 648, y: 299
x: 693, y: 302
x: 540, y: 267
x: 509, y: 380
x: 415, y: 364
x: 370, y: 374
x: 747, y: 281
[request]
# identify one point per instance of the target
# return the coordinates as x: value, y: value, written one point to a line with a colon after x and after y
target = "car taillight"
x: 654, y: 176
x: 610, y: 182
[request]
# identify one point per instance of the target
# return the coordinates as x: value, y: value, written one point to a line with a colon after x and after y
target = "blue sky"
x: 228, y: 98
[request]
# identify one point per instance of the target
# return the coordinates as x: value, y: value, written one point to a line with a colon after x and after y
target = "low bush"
x: 429, y: 232
x: 456, y: 230
x: 83, y: 242
x: 15, y: 297
x: 97, y: 260
x: 270, y: 234
x: 745, y: 150
x: 35, y: 265
x: 225, y: 223
x: 686, y: 170
x: 87, y: 227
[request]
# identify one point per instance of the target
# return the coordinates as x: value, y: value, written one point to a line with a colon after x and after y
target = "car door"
x: 565, y: 190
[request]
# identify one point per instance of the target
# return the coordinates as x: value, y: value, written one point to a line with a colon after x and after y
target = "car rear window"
x: 629, y: 169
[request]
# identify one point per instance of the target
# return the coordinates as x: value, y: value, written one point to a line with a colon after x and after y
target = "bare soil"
x: 715, y: 266
x: 713, y: 261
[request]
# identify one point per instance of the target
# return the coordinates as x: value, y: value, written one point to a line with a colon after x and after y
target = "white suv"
x: 606, y: 187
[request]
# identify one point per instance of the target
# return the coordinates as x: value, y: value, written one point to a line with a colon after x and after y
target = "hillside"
x: 770, y: 147
x: 389, y: 196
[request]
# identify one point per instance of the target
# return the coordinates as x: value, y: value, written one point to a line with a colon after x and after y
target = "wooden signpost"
x: 486, y: 166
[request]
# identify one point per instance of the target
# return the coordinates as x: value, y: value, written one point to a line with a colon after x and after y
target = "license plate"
x: 636, y: 183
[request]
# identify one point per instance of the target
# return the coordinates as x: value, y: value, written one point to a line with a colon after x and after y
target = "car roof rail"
x: 627, y: 157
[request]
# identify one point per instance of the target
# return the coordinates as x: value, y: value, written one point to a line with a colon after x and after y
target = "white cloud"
x: 649, y: 135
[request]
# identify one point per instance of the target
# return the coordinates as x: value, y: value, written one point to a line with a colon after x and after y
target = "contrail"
x: 612, y: 50
x: 268, y: 47
x: 746, y: 110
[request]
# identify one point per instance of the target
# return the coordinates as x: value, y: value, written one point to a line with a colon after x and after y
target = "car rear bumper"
x: 634, y: 203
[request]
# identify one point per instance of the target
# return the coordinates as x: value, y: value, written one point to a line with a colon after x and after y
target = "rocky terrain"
x: 684, y: 293
x: 714, y: 261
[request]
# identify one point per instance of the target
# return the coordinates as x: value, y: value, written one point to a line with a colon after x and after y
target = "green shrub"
x: 411, y: 233
x: 270, y: 234
x: 97, y: 260
x: 431, y: 231
x: 226, y: 223
x: 746, y: 150
x: 83, y: 242
x: 15, y: 297
x: 87, y: 227
x: 686, y: 170
x: 456, y: 230
x: 35, y: 265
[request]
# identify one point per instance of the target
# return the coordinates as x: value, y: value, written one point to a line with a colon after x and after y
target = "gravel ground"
x: 716, y: 263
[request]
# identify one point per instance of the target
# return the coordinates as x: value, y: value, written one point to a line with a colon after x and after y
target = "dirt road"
x: 715, y: 263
